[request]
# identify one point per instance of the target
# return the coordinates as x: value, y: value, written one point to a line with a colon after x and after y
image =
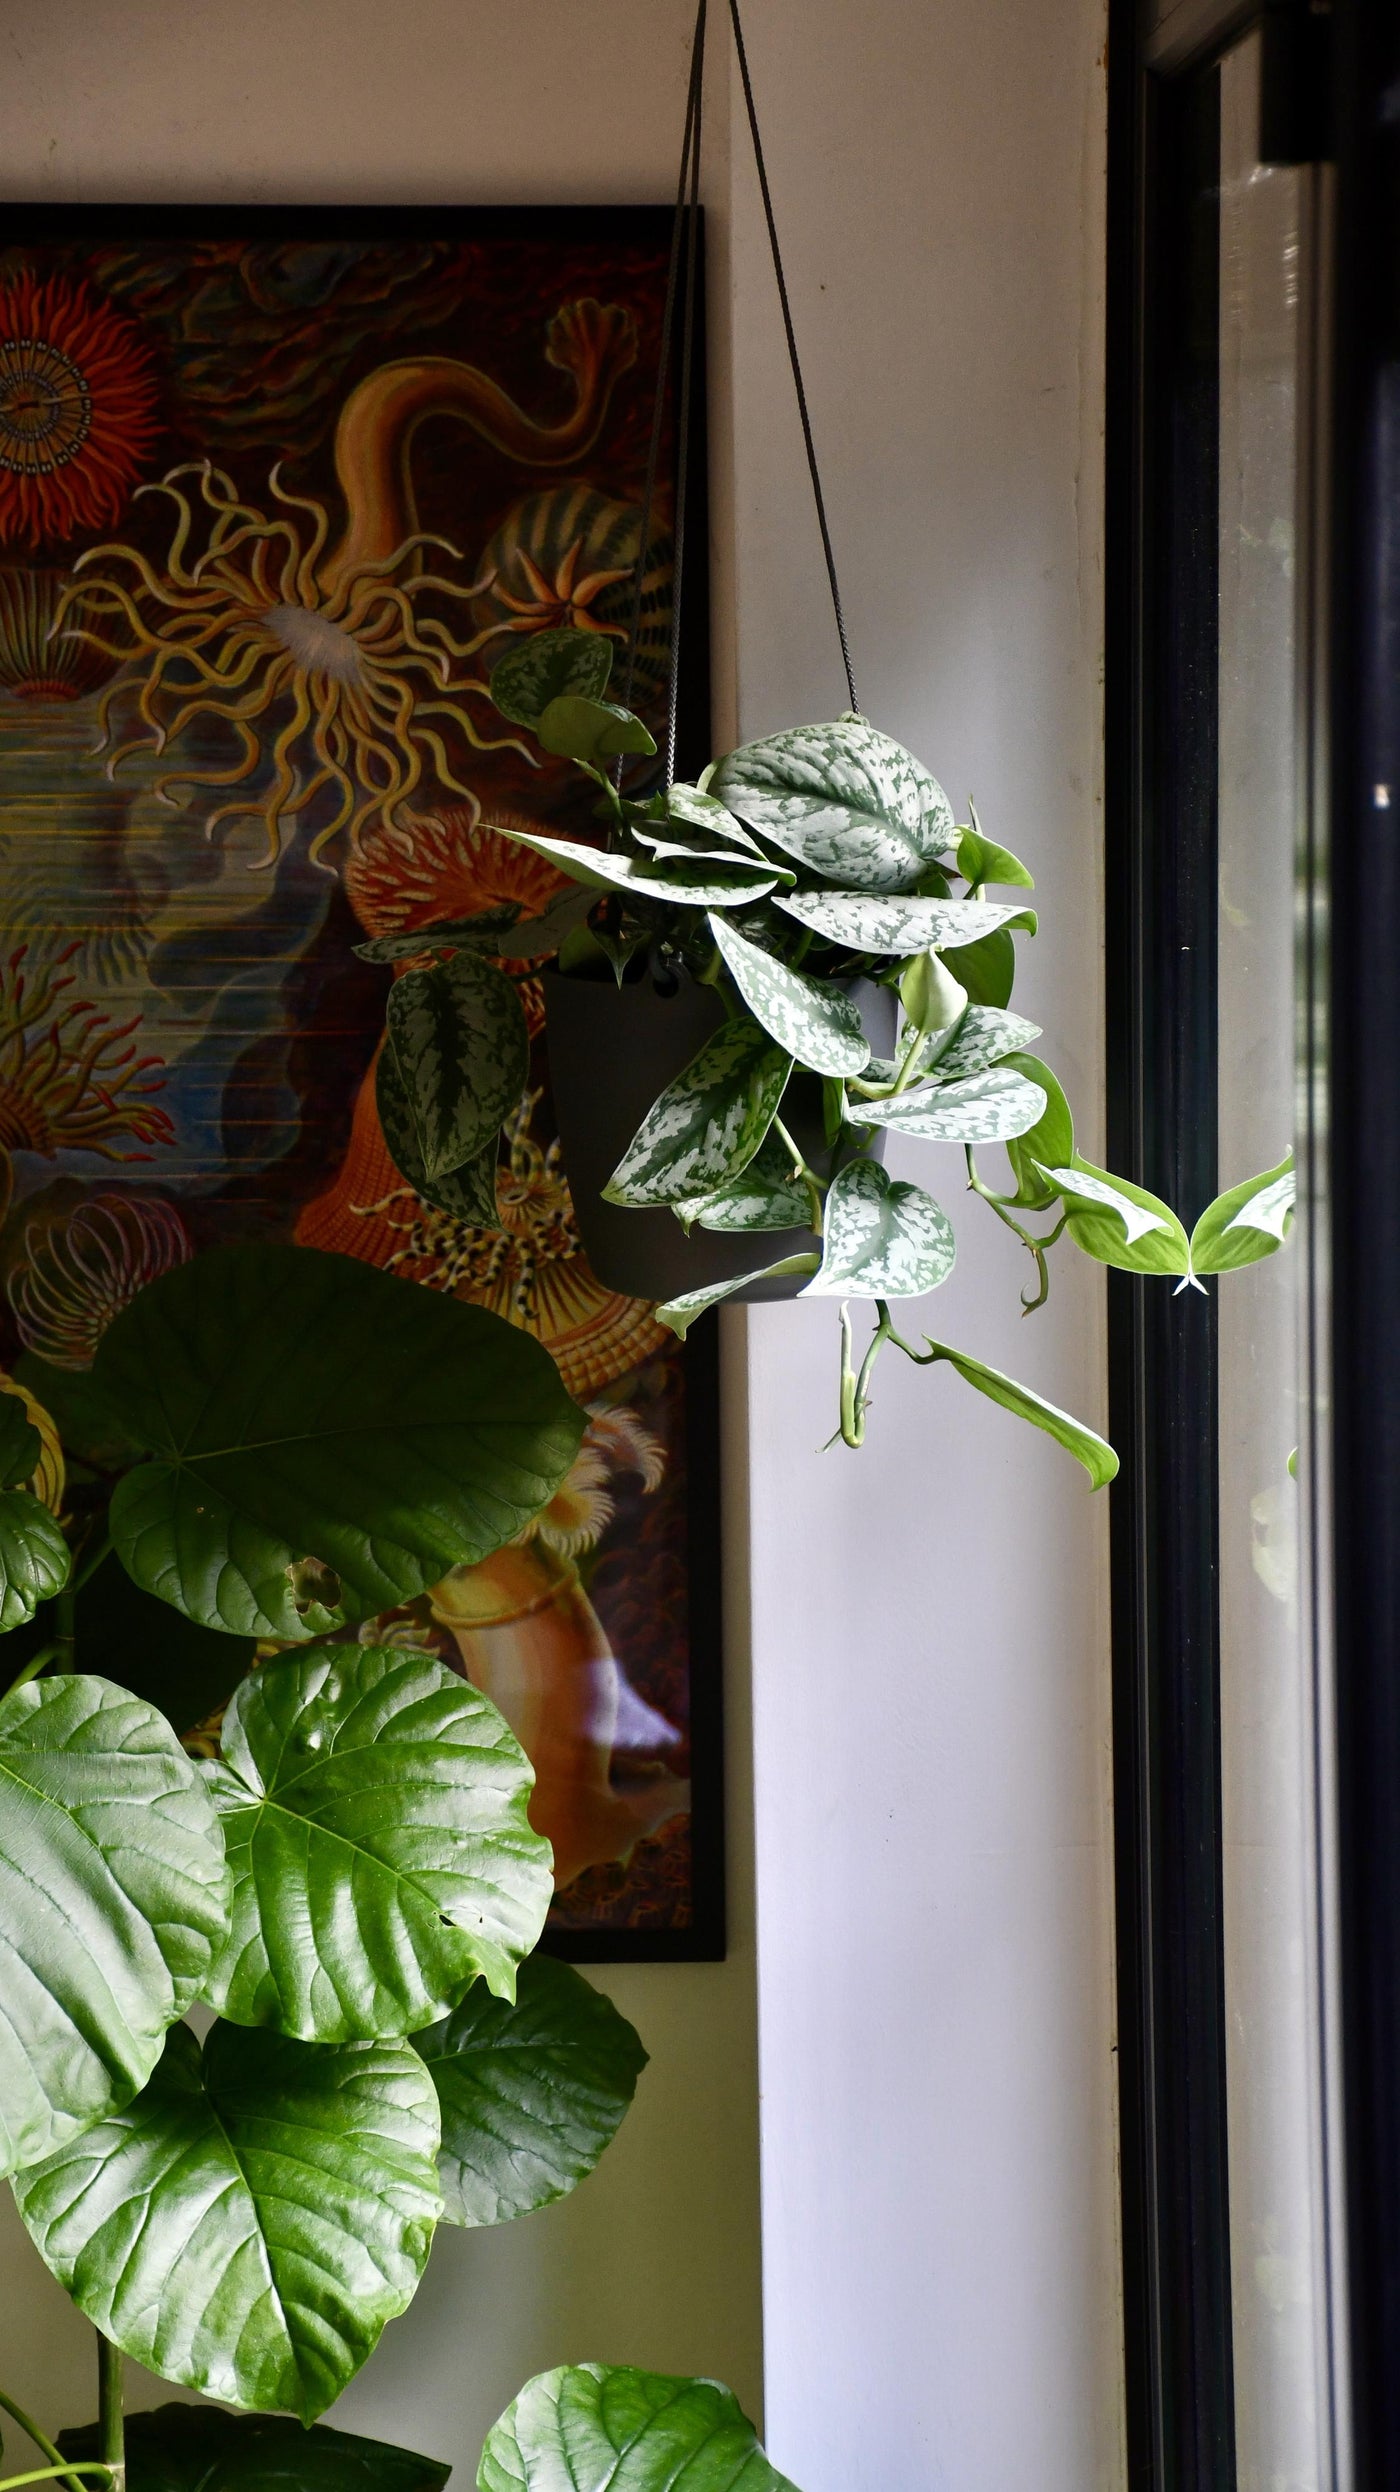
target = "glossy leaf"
x: 985, y: 1107
x: 1247, y: 1223
x: 457, y: 1034
x: 685, y: 809
x: 985, y: 1036
x: 113, y: 1896
x: 1088, y: 1448
x: 689, y: 885
x: 374, y: 1807
x: 34, y: 1556
x: 707, y: 1124
x: 20, y: 1442
x: 815, y: 1023
x: 1119, y: 1223
x: 251, y: 2222
x: 467, y: 1193
x: 484, y: 932
x: 980, y: 860
x: 530, y: 2095
x: 549, y: 666
x: 864, y: 922
x: 591, y: 2429
x: 303, y: 1407
x: 579, y: 729
x: 986, y: 967
x: 196, y: 2448
x: 843, y: 799
x: 883, y: 1238
x: 1048, y: 1144
x: 766, y: 1195
x: 681, y: 1312
x: 931, y: 999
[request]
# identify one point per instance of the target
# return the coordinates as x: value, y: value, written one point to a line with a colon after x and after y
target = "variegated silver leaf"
x: 457, y: 1032
x: 815, y: 1023
x: 883, y: 1239
x: 843, y: 799
x: 685, y: 809
x: 984, y: 1036
x: 899, y: 924
x: 680, y: 1313
x: 466, y: 1194
x: 985, y: 1107
x: 707, y: 1123
x: 685, y: 883
x: 766, y: 1195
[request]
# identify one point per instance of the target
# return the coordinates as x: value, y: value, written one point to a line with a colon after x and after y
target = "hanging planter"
x: 758, y: 977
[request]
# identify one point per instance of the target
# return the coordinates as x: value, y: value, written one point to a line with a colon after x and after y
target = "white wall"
x: 928, y: 1619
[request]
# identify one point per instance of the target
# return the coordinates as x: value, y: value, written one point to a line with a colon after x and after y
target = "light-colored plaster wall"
x: 928, y: 1622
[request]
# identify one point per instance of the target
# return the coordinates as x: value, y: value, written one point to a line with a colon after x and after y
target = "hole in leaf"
x: 314, y: 1585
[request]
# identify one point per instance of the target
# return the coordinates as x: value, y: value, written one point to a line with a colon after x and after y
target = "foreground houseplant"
x: 794, y: 872
x: 352, y: 1886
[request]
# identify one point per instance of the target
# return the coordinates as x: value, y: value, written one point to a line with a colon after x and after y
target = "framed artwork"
x: 276, y: 490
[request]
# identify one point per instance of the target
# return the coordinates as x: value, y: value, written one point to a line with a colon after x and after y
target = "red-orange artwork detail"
x: 271, y: 504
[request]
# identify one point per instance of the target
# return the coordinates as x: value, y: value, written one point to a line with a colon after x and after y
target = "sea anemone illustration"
x: 569, y: 556
x: 335, y: 650
x: 78, y: 1275
x: 583, y: 1506
x: 34, y: 665
x: 70, y: 1077
x: 451, y: 864
x: 78, y: 412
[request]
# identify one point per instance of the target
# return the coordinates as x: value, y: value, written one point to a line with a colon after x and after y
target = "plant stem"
x: 110, y: 2425
x: 36, y: 1662
x: 65, y: 1619
x: 808, y: 1175
x: 1037, y: 1247
x: 67, y: 2474
x: 855, y: 1387
x: 92, y: 1559
x: 71, y: 2474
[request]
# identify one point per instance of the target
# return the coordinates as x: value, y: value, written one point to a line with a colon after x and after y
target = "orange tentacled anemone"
x: 340, y: 652
x: 450, y: 864
x: 78, y: 414
x: 70, y: 1077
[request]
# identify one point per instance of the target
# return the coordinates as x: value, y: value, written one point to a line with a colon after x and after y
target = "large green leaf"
x: 765, y: 1195
x: 898, y: 925
x: 984, y: 1107
x: 681, y: 1312
x: 468, y: 1193
x: 1093, y: 1451
x: 374, y: 1806
x: 457, y: 1033
x: 843, y: 799
x: 1246, y: 1223
x: 1050, y: 1144
x: 986, y: 967
x: 113, y: 1896
x: 707, y: 1123
x: 591, y: 2429
x: 251, y: 2222
x: 303, y: 1407
x: 1119, y: 1223
x: 816, y: 1024
x: 883, y: 1239
x: 195, y: 2448
x: 687, y: 882
x: 580, y: 729
x: 531, y: 2094
x: 34, y: 1558
x: 546, y: 667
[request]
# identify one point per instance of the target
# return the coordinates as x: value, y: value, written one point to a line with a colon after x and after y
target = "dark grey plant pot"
x: 611, y: 1050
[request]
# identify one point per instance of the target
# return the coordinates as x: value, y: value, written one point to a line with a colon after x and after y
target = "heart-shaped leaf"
x: 689, y: 883
x: 195, y: 2448
x: 304, y: 1407
x: 982, y: 861
x: 843, y: 799
x: 550, y: 666
x: 485, y: 932
x: 251, y: 2222
x: 579, y: 729
x: 1119, y: 1223
x: 34, y: 1556
x: 883, y: 1239
x: 374, y: 1807
x: 898, y: 925
x: 468, y: 1193
x: 765, y: 1195
x: 985, y: 1107
x: 113, y: 1896
x: 681, y: 1312
x: 1093, y: 1451
x: 531, y: 2094
x: 707, y: 1123
x: 458, y: 1037
x: 592, y: 2429
x: 816, y: 1024
x: 1247, y: 1223
x: 1050, y: 1144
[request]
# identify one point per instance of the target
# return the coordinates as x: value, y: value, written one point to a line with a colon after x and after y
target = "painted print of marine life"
x: 272, y: 503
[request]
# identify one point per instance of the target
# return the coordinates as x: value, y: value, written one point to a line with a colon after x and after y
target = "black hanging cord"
x: 682, y: 265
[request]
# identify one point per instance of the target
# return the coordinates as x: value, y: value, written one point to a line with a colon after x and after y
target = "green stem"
x: 67, y: 2474
x: 92, y: 1559
x: 36, y: 1662
x: 1036, y: 1247
x: 42, y: 2442
x: 855, y: 1386
x: 111, y: 2429
x: 808, y: 1175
